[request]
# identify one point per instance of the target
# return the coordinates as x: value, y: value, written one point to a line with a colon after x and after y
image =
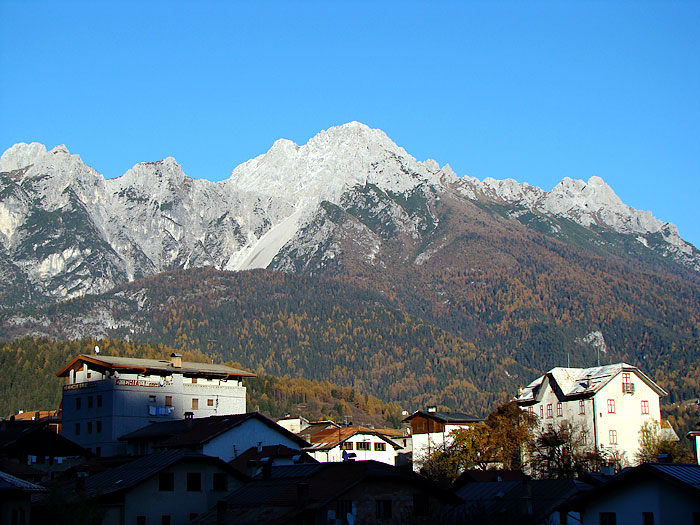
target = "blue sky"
x: 534, y: 91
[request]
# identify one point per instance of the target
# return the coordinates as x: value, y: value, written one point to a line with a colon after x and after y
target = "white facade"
x: 107, y: 397
x: 364, y: 446
x: 611, y: 403
x: 250, y: 433
x: 146, y: 501
x: 425, y: 444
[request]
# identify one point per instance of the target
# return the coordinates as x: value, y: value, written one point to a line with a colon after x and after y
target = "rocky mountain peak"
x: 21, y: 155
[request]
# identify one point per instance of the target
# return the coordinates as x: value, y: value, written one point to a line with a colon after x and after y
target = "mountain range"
x: 515, y: 278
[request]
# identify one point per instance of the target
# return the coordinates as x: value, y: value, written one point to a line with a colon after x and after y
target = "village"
x: 170, y: 442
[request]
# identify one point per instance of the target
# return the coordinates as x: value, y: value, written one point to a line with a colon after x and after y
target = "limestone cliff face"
x: 349, y: 194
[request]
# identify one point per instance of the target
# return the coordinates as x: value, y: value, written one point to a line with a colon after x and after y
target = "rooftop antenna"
x: 97, y: 349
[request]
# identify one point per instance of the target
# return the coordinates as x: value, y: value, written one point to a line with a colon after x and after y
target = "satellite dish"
x: 97, y: 349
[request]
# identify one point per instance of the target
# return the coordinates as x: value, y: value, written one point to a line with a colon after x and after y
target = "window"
x: 613, y: 437
x: 210, y: 402
x: 98, y: 451
x: 89, y: 401
x: 343, y: 507
x: 151, y: 399
x: 166, y: 482
x: 560, y: 410
x: 380, y: 447
x: 89, y: 427
x: 168, y: 401
x: 77, y: 403
x: 165, y: 519
x: 626, y: 377
x: 364, y: 445
x: 645, y: 406
x: 549, y: 410
x: 541, y: 411
x: 421, y: 505
x: 647, y: 518
x: 611, y: 406
x: 195, y: 403
x: 581, y: 406
x: 531, y: 410
x: 220, y: 482
x: 383, y: 509
x: 140, y: 520
x: 194, y: 482
x: 77, y: 429
x: 608, y: 518
x: 98, y: 425
x: 194, y: 380
x: 346, y: 445
x: 99, y: 401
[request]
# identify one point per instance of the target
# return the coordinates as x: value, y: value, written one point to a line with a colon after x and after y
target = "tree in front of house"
x: 653, y: 442
x: 563, y: 452
x: 499, y: 440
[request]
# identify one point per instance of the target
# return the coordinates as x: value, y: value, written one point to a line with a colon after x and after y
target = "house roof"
x: 332, y: 437
x: 581, y: 382
x: 445, y: 417
x: 131, y: 474
x: 32, y: 437
x: 508, y: 501
x: 240, y: 462
x: 188, y: 432
x: 9, y: 483
x: 683, y: 477
x: 152, y: 366
x: 276, y: 499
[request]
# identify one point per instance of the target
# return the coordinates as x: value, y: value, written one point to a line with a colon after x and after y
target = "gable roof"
x: 683, y: 477
x: 445, y: 417
x: 578, y: 383
x: 34, y: 438
x: 240, y: 462
x: 332, y: 437
x: 133, y: 473
x: 197, y: 431
x: 152, y: 366
x: 9, y: 483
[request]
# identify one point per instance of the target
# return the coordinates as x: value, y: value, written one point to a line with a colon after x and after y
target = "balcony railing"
x: 628, y: 388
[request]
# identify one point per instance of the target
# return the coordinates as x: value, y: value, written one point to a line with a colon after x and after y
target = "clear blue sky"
x: 535, y: 91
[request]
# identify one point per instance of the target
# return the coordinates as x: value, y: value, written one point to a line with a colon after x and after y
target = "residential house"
x: 170, y: 487
x: 610, y: 403
x: 340, y: 493
x: 352, y: 443
x: 431, y: 429
x: 651, y: 493
x: 30, y: 450
x: 105, y: 397
x: 15, y: 499
x: 225, y: 437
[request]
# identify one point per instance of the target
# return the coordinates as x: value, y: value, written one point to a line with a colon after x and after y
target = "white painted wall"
x: 240, y: 438
x: 335, y: 454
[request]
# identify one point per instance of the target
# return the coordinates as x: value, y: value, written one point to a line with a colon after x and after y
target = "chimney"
x: 176, y: 360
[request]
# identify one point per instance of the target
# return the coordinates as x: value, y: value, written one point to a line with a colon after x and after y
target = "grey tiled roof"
x: 10, y: 483
x: 582, y: 382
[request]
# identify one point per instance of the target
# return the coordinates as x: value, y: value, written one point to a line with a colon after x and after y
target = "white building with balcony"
x: 105, y: 397
x: 611, y: 403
